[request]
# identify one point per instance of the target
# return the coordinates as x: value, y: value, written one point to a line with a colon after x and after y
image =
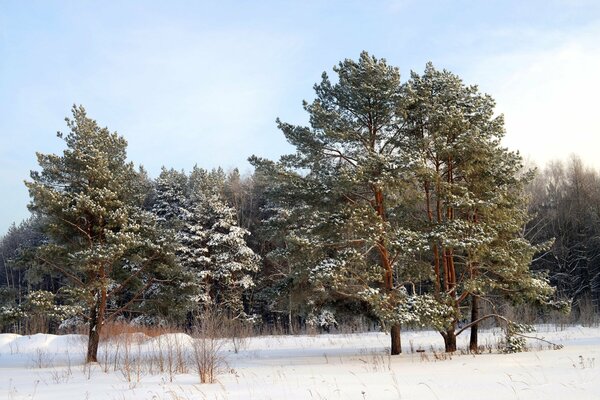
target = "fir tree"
x: 227, y: 266
x: 209, y: 245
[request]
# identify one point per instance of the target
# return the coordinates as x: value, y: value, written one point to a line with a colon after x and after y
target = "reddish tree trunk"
x: 97, y: 315
x: 473, y: 345
x: 388, y: 272
x: 396, y: 343
x: 449, y: 340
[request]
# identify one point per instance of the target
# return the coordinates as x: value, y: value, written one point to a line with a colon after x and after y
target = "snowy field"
x: 341, y: 366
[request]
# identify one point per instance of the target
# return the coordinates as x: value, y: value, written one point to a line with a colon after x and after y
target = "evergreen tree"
x: 474, y: 208
x: 339, y: 191
x: 19, y: 273
x: 227, y: 266
x: 171, y: 197
x: 100, y: 238
x: 209, y: 245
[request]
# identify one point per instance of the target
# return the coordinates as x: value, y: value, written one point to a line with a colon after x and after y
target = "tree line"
x: 399, y: 205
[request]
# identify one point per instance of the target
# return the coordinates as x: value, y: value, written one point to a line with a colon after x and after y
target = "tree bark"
x: 93, y: 336
x: 449, y: 340
x: 290, y: 320
x: 473, y: 346
x: 396, y: 341
x: 97, y: 315
x: 388, y: 272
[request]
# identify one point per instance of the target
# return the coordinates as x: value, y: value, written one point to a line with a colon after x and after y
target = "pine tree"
x: 18, y: 272
x: 100, y: 238
x: 171, y: 197
x: 339, y: 191
x: 473, y: 199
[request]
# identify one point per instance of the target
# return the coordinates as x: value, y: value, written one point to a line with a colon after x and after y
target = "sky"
x: 201, y: 83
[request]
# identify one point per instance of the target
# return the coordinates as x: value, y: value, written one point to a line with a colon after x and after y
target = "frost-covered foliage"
x: 212, y: 249
x: 225, y: 270
x: 514, y: 342
x: 71, y: 324
x: 100, y: 238
x: 417, y: 310
x: 395, y: 187
x: 325, y: 319
x: 43, y: 308
x: 171, y: 197
x: 42, y: 302
x: 149, y: 320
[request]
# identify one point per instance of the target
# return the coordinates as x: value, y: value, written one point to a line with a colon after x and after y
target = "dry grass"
x: 137, y: 351
x: 116, y: 329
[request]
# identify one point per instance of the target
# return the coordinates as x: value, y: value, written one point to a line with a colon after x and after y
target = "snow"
x: 334, y: 366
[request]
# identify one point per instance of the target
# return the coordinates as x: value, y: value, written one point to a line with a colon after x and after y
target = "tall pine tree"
x: 339, y: 190
x: 100, y: 238
x: 472, y: 197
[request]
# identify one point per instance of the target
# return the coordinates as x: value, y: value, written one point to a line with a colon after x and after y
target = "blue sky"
x: 198, y: 82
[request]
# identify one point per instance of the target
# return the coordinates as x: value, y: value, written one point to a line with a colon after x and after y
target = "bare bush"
x: 207, y: 358
x: 239, y: 332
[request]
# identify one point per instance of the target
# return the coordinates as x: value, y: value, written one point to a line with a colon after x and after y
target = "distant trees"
x: 565, y: 209
x: 14, y: 247
x: 19, y: 276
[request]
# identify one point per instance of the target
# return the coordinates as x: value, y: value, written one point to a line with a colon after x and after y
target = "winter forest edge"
x: 399, y: 209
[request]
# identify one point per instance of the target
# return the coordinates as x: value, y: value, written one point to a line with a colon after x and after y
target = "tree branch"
x: 68, y: 274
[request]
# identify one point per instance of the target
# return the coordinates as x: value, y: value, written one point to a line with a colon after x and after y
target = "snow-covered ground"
x: 341, y: 366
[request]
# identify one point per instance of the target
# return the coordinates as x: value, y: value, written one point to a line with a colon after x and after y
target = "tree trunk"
x: 449, y: 340
x: 290, y: 320
x: 93, y: 337
x: 388, y: 271
x: 396, y: 343
x: 473, y: 347
x: 96, y: 323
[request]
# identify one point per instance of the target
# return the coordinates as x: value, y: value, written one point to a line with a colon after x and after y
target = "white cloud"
x: 550, y: 96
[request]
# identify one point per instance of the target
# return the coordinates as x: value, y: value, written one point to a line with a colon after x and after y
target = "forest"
x: 399, y: 208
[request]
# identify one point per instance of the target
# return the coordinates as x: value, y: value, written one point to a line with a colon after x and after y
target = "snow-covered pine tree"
x: 289, y: 290
x: 100, y: 238
x: 171, y: 197
x: 342, y: 191
x: 472, y: 196
x: 228, y: 267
